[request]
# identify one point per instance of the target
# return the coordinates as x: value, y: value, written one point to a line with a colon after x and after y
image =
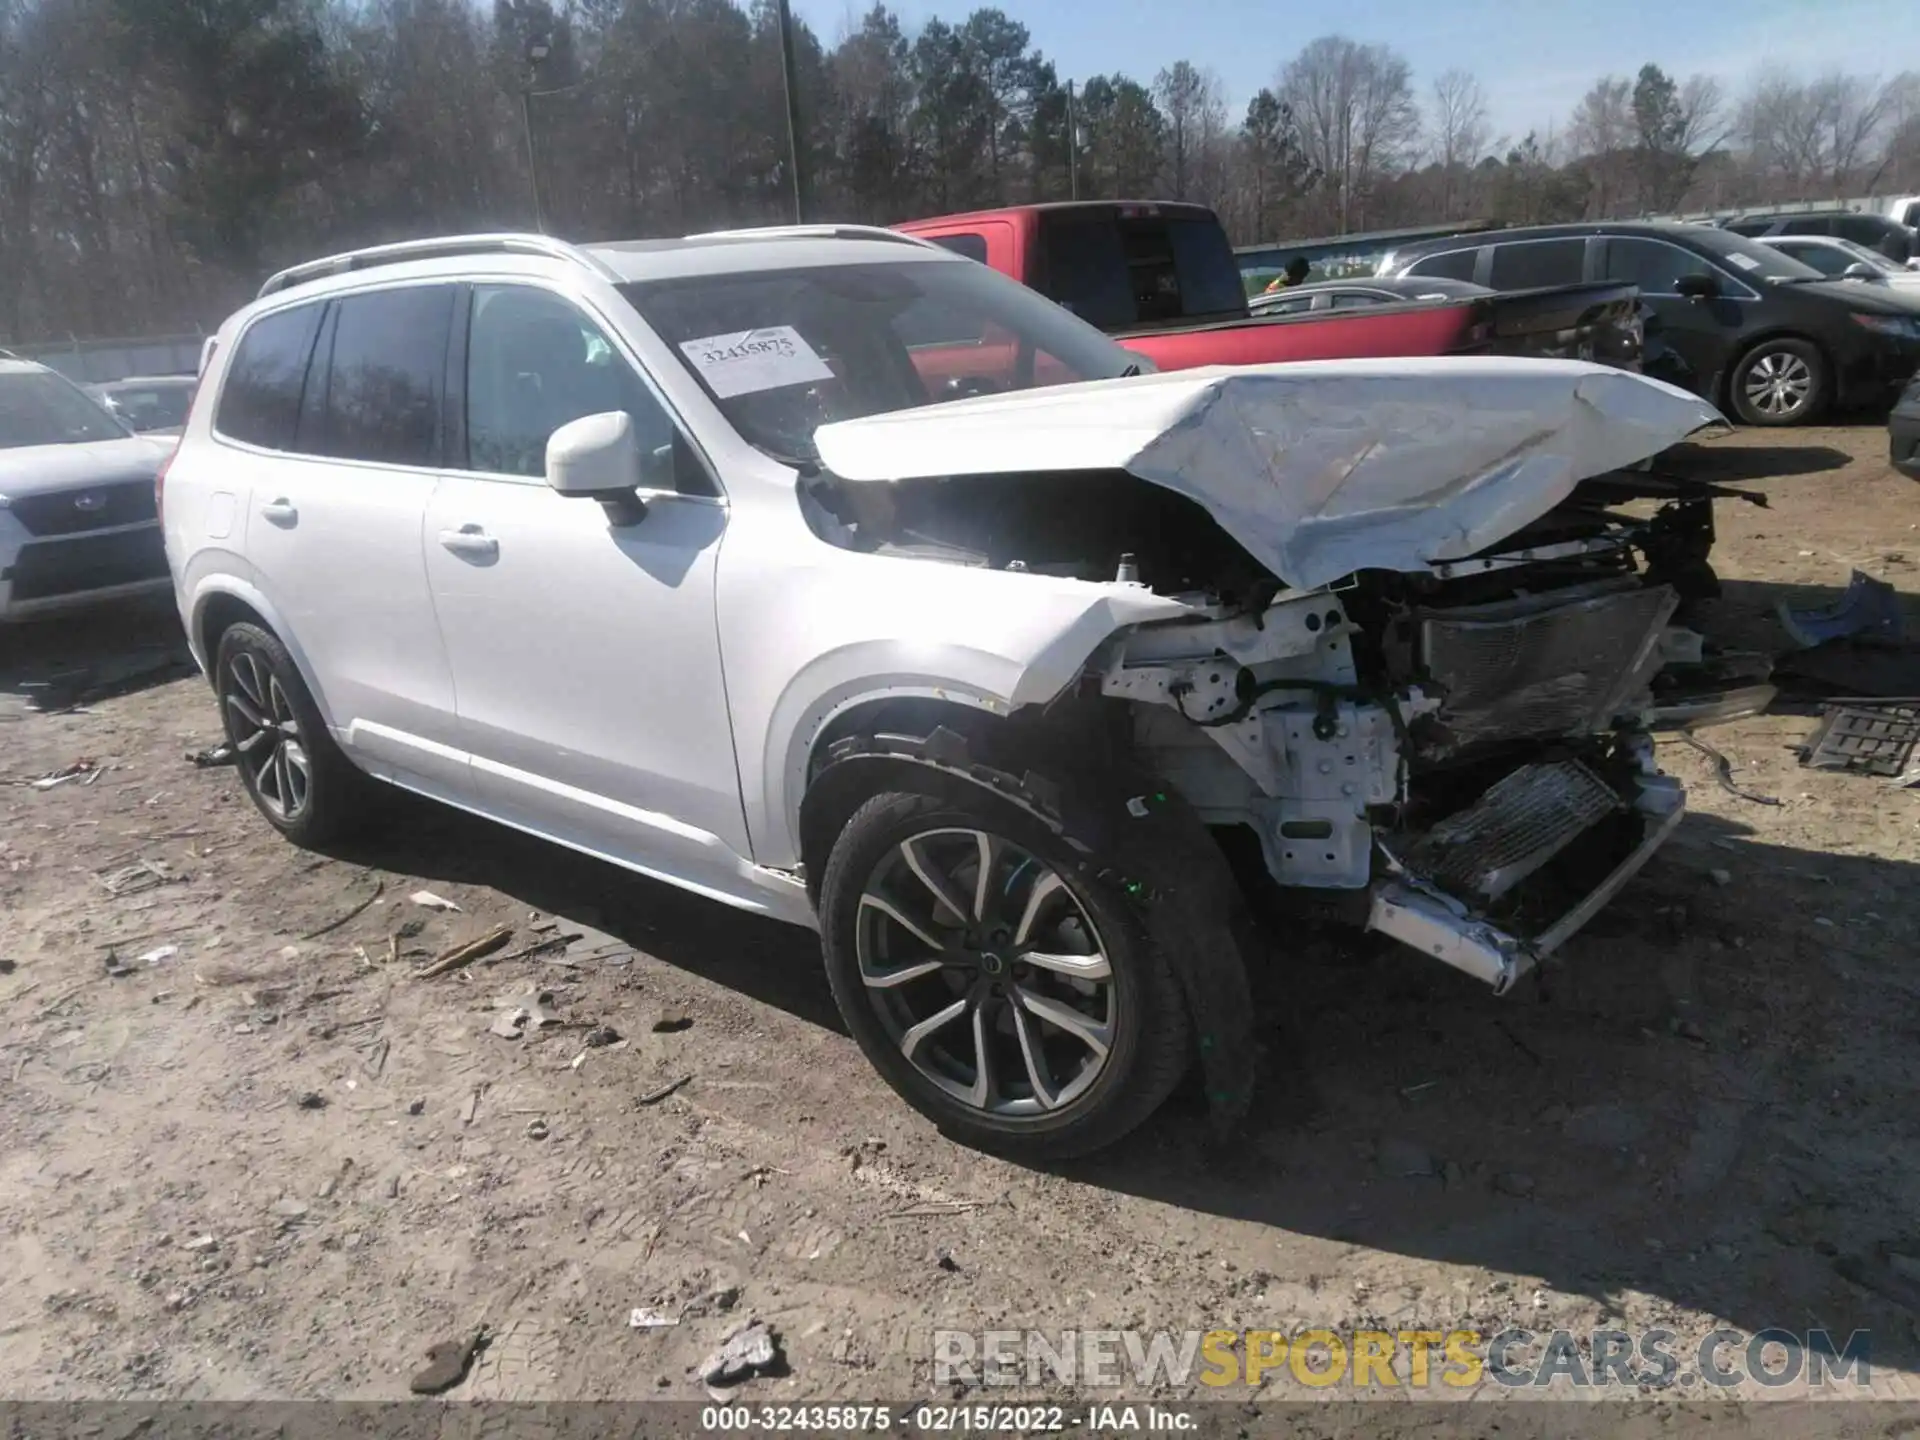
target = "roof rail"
x: 816, y: 232
x: 434, y: 249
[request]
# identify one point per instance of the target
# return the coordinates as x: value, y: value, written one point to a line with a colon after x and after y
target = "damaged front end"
x: 1425, y: 636
x: 1487, y: 788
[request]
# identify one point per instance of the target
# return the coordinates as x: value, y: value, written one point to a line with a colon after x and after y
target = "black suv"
x: 1743, y: 325
x: 1876, y: 232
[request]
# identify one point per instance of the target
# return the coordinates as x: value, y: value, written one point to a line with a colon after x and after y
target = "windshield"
x: 1749, y: 259
x: 41, y: 408
x: 1873, y: 259
x: 784, y: 352
x: 150, y: 407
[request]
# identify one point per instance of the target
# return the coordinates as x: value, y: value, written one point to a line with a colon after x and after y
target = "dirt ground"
x: 245, y: 1154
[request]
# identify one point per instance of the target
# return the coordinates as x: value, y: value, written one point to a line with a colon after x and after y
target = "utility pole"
x: 1073, y: 147
x: 537, y: 50
x: 796, y: 149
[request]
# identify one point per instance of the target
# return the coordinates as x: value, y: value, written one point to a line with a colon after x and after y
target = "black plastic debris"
x: 1867, y: 607
x: 1876, y: 669
x: 1864, y: 739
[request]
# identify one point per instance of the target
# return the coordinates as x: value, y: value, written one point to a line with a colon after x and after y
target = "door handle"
x: 470, y: 540
x: 280, y: 512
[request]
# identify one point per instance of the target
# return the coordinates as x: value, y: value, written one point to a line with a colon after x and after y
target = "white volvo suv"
x: 838, y: 578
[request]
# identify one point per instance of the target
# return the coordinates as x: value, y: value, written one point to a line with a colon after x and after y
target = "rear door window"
x: 1653, y: 265
x: 260, y: 399
x: 1448, y: 264
x: 1532, y: 264
x: 1117, y: 271
x: 384, y: 378
x: 968, y: 243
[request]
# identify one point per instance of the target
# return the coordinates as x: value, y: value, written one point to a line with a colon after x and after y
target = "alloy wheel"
x: 1778, y: 384
x: 987, y: 972
x: 266, y: 736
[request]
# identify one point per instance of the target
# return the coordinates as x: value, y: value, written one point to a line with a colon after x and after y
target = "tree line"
x: 158, y: 157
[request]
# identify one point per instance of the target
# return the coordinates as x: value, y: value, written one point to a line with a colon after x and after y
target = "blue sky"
x: 1534, y: 57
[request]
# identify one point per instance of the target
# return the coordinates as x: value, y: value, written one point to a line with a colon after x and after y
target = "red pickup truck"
x: 1161, y: 278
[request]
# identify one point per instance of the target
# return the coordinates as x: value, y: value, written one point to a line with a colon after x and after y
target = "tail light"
x: 160, y: 485
x: 207, y: 352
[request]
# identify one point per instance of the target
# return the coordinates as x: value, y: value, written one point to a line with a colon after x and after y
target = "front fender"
x: 1001, y: 669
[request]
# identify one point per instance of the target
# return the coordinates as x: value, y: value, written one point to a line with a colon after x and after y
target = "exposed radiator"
x: 1543, y: 665
x: 1517, y: 826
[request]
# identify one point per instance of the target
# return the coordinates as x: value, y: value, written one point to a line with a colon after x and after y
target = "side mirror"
x: 1859, y: 270
x: 1696, y: 287
x: 597, y: 457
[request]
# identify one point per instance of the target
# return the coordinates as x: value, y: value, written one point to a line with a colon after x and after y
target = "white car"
x: 661, y: 550
x: 78, y: 526
x: 1846, y: 260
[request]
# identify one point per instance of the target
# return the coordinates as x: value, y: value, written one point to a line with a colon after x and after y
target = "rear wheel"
x: 1780, y: 382
x: 294, y: 773
x: 1003, y: 989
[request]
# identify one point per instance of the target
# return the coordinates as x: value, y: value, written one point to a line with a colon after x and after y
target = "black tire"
x: 1145, y: 1018
x: 251, y: 666
x: 1768, y: 378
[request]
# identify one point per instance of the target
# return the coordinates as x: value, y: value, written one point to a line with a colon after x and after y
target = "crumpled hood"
x: 38, y: 469
x: 1319, y: 468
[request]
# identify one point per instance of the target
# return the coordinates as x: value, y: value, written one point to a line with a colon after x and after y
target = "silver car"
x: 78, y: 520
x: 149, y: 404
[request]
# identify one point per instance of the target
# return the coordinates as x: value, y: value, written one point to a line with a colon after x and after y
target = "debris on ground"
x: 671, y: 1024
x: 379, y: 888
x: 749, y: 1350
x: 431, y: 901
x: 82, y: 769
x: 1864, y: 739
x: 213, y: 757
x: 135, y: 879
x: 200, y: 1244
x: 447, y: 1364
x: 1866, y: 607
x: 159, y: 954
x: 537, y: 1130
x: 287, y: 1208
x: 311, y: 1100
x: 644, y: 1318
x: 654, y: 1097
x: 416, y: 1107
x: 1876, y: 669
x: 523, y: 1012
x: 1723, y: 770
x: 115, y: 969
x: 600, y: 1036
x: 465, y: 954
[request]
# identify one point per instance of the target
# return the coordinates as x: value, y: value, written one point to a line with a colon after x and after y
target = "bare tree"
x: 1460, y: 134
x: 1189, y: 97
x: 1358, y: 121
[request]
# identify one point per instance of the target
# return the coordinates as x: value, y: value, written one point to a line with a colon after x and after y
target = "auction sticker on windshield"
x: 750, y: 360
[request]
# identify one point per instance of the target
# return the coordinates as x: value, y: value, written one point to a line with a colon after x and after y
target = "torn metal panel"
x: 1319, y: 469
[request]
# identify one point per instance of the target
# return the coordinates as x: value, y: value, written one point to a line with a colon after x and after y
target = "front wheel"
x: 1780, y: 382
x: 1003, y: 989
